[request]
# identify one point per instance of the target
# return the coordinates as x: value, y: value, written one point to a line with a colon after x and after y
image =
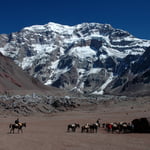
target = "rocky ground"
x: 31, y: 104
x: 49, y: 130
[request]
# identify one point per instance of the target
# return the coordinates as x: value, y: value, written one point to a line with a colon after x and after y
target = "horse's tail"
x: 68, y: 127
x: 10, y: 125
x: 25, y: 125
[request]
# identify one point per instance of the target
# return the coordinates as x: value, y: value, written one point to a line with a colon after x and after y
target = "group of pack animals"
x: 141, y: 125
x: 85, y: 128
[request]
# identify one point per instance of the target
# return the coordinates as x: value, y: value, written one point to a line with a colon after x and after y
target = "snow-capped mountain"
x: 86, y: 58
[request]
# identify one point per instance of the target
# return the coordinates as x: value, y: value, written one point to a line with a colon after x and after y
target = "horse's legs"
x: 87, y: 130
x: 74, y: 129
x: 96, y: 130
x: 12, y: 130
x: 82, y: 129
x: 21, y: 130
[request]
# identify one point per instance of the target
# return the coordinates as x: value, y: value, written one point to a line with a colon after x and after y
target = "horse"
x: 125, y: 127
x: 17, y: 126
x: 73, y: 127
x: 85, y: 128
x: 93, y: 127
x: 98, y: 122
x: 108, y: 127
x: 115, y: 127
x: 112, y: 127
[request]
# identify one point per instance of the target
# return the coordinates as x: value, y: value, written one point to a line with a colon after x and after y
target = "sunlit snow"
x: 82, y: 52
x: 101, y: 90
x: 39, y: 48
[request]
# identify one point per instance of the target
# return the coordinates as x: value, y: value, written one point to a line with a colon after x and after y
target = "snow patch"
x: 27, y: 62
x: 94, y: 71
x: 101, y: 90
x: 55, y: 74
x: 43, y: 48
x: 82, y: 52
x: 114, y: 52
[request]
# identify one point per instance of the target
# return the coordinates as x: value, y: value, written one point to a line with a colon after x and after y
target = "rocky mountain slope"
x: 136, y: 79
x: 13, y: 80
x: 87, y: 58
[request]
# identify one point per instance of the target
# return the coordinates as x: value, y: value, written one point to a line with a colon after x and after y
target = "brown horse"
x: 85, y: 128
x: 17, y: 126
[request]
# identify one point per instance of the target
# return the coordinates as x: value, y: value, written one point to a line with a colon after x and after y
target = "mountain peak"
x: 51, y: 26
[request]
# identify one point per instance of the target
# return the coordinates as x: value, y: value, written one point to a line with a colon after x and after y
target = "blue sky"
x: 130, y: 15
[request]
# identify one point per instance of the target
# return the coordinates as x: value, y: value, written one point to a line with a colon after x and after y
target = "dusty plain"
x: 49, y: 131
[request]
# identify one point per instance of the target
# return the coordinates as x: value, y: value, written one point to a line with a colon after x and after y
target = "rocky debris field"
x: 38, y: 104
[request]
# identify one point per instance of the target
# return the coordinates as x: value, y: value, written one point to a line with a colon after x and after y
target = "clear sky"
x: 130, y: 15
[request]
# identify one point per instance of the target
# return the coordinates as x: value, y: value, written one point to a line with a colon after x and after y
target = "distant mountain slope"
x: 136, y: 81
x: 14, y: 80
x: 89, y: 58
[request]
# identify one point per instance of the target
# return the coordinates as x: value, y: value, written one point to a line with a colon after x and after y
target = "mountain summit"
x: 88, y: 58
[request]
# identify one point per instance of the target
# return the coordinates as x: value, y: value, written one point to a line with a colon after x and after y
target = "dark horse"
x: 125, y: 127
x: 73, y: 127
x: 17, y: 126
x: 94, y: 127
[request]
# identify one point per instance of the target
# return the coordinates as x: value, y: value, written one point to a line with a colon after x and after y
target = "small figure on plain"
x: 98, y: 122
x: 87, y: 125
x: 17, y: 121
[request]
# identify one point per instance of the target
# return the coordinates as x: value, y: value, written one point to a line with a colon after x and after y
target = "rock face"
x: 87, y: 58
x: 136, y: 80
